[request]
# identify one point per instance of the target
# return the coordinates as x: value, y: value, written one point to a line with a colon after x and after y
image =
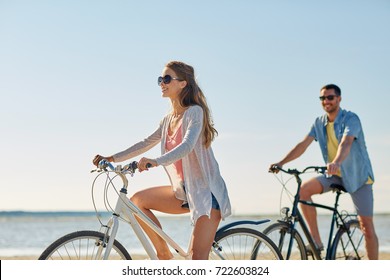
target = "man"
x: 341, y: 139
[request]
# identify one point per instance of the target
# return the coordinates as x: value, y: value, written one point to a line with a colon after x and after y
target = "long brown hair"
x: 193, y: 95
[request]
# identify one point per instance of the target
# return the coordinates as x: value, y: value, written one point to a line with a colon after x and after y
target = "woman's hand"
x: 143, y: 162
x: 98, y: 158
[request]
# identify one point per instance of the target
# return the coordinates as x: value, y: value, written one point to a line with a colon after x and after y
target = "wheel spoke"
x: 244, y: 244
x: 86, y: 245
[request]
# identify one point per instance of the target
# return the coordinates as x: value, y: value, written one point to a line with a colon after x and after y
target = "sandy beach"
x: 34, y: 232
x: 382, y: 256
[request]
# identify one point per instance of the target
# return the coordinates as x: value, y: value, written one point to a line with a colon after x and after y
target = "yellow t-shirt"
x: 333, y: 145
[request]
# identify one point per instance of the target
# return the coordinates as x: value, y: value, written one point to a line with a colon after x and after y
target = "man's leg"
x: 372, y: 246
x: 363, y: 200
x: 309, y: 188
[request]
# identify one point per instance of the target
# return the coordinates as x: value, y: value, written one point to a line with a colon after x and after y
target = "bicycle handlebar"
x: 131, y: 167
x: 318, y: 169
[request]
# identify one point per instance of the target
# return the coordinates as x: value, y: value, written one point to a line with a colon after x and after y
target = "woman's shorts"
x: 214, y: 202
x: 363, y: 198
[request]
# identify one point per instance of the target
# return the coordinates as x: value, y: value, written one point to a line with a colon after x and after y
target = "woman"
x: 196, y: 183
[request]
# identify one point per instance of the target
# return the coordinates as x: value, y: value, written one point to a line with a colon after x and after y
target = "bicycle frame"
x: 296, y: 217
x: 336, y: 217
x: 127, y: 210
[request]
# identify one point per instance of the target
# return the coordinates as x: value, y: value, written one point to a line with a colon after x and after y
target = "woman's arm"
x: 140, y: 147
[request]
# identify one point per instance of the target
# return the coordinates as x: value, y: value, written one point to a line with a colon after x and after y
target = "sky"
x: 79, y: 78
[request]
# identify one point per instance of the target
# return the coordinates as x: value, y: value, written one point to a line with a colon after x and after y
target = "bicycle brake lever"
x: 321, y: 169
x: 96, y: 170
x: 131, y: 167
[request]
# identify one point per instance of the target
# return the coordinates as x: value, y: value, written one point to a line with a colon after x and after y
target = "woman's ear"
x: 183, y: 84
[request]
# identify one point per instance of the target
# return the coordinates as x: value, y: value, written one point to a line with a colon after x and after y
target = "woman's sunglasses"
x: 166, y: 79
x: 329, y: 97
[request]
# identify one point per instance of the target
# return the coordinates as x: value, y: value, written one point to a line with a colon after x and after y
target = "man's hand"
x: 272, y: 168
x: 333, y: 168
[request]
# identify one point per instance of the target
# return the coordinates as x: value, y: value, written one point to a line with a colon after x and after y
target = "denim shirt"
x: 356, y: 168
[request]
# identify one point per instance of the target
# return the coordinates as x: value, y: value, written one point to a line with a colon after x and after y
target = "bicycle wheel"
x: 349, y: 243
x: 83, y: 245
x: 279, y: 233
x: 243, y: 244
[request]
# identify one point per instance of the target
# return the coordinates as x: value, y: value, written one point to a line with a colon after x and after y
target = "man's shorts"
x: 363, y: 198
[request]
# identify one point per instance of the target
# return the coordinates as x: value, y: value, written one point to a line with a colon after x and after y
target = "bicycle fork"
x: 113, y: 224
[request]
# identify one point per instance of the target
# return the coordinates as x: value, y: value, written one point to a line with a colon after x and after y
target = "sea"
x: 27, y: 234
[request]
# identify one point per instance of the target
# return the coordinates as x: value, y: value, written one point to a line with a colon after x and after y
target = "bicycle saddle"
x: 338, y: 187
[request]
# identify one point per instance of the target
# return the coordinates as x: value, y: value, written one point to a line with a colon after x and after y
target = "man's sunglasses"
x: 329, y: 97
x: 166, y: 79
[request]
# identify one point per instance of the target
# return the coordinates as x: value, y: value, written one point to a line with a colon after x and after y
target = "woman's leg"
x: 204, y: 233
x: 161, y: 199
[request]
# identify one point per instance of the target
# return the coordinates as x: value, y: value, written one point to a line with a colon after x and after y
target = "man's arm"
x: 296, y: 152
x: 342, y: 152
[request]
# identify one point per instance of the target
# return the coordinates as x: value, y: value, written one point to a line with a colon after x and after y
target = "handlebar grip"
x: 274, y: 168
x: 134, y: 165
x: 105, y: 163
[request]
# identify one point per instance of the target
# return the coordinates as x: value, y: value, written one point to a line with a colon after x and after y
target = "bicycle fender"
x: 242, y: 222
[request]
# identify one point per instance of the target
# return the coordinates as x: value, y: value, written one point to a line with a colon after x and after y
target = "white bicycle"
x: 231, y: 242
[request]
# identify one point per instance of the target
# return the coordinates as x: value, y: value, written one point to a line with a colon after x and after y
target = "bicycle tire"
x: 243, y: 244
x: 280, y: 234
x: 343, y: 249
x: 83, y: 245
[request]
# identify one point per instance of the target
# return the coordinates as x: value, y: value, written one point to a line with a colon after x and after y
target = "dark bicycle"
x: 347, y: 244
